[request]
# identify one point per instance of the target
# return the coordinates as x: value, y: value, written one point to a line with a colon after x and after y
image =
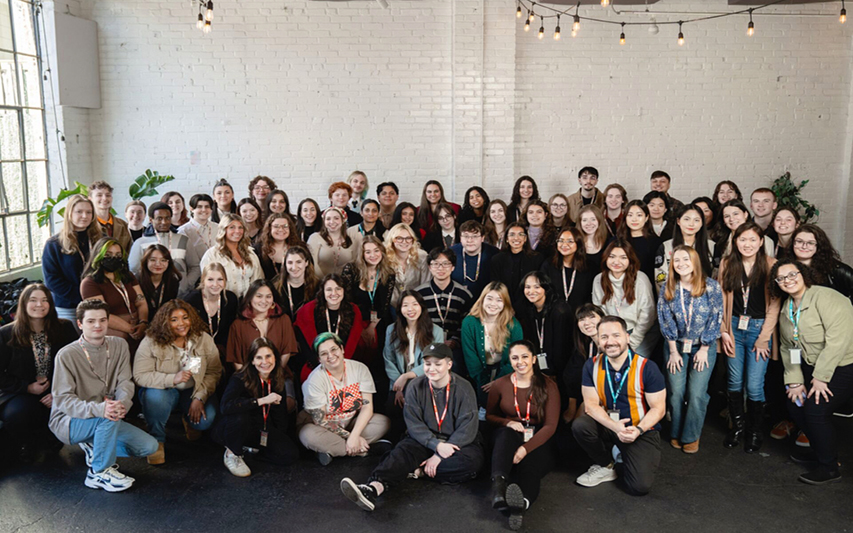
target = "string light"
x: 750, y: 29
x: 200, y: 23
x: 622, y: 35
x: 680, y: 35
x: 843, y: 17
x: 542, y: 28
x: 557, y: 29
x: 209, y: 14
x: 605, y: 3
x: 205, y: 15
x: 527, y: 25
x: 531, y: 16
x: 518, y: 12
x: 207, y: 27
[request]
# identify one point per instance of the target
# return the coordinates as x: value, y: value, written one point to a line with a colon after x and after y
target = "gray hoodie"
x: 460, y: 425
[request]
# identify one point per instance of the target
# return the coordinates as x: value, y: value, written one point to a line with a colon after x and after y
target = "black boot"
x: 755, y: 415
x: 734, y: 435
x: 499, y: 493
x: 517, y: 505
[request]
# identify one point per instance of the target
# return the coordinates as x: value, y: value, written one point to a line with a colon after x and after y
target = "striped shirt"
x: 447, y: 307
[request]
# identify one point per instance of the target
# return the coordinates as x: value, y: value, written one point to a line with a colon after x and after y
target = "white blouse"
x: 239, y: 277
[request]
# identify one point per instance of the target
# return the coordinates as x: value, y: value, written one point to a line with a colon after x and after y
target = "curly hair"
x: 807, y: 273
x: 825, y: 258
x: 267, y: 241
x: 161, y: 332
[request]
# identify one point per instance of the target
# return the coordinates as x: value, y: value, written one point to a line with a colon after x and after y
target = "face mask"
x: 111, y: 264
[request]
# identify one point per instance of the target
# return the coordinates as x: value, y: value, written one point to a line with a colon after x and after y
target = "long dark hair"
x: 548, y: 228
x: 311, y: 279
x: 300, y: 222
x: 624, y: 232
x: 825, y: 259
x: 731, y: 185
x: 160, y: 330
x: 544, y: 282
x: 701, y: 244
x: 584, y: 311
x: 466, y: 207
x: 806, y: 272
x: 398, y: 216
x: 346, y: 313
x: 249, y: 374
x: 267, y: 240
x: 268, y: 201
x: 171, y: 277
x: 22, y: 329
x: 423, y: 327
x: 492, y: 236
x: 733, y: 273
x: 629, y: 284
x: 579, y: 259
x: 526, y: 249
x: 538, y: 383
x: 423, y: 214
x: 246, y: 310
x: 515, y: 200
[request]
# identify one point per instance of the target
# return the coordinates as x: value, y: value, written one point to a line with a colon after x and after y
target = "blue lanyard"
x: 615, y: 395
x: 373, y: 292
x: 795, y: 321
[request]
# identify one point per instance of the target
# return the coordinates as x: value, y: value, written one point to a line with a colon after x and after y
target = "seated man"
x: 473, y: 258
x: 92, y: 393
x: 443, y: 440
x: 625, y: 399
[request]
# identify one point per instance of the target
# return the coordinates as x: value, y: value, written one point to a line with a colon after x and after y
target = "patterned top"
x: 41, y: 351
x: 707, y: 314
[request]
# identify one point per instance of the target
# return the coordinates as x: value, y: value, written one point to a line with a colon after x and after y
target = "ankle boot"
x: 499, y: 493
x: 736, y: 416
x: 755, y: 416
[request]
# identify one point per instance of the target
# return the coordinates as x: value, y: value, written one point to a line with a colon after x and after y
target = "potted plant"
x: 788, y: 194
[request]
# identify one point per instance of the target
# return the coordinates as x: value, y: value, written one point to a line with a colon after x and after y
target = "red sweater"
x: 305, y: 323
x: 500, y: 409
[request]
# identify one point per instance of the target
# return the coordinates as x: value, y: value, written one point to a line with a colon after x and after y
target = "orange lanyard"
x: 438, y: 420
x: 526, y: 418
x: 266, y: 386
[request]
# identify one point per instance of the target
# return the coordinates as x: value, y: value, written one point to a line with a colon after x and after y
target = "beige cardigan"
x: 771, y: 314
x: 155, y: 366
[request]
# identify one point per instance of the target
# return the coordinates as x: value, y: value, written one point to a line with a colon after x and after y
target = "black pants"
x: 816, y: 419
x: 640, y: 458
x: 25, y: 419
x: 395, y: 414
x: 408, y: 455
x: 529, y: 472
x: 244, y: 429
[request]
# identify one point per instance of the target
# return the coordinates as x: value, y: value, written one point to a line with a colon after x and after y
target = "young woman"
x: 66, y: 253
x: 29, y: 346
x: 278, y: 236
x: 509, y: 266
x: 253, y: 414
x: 558, y: 206
x: 475, y: 207
x: 487, y: 333
x: 433, y: 194
x: 307, y: 218
x: 707, y: 206
x: 726, y: 191
x: 331, y: 247
x: 621, y: 289
x: 523, y: 450
x: 637, y: 229
x: 406, y: 258
x: 405, y: 340
x: 658, y: 204
x: 615, y: 198
x: 359, y: 184
x: 690, y: 312
x: 585, y: 346
x: 158, y: 277
x: 689, y: 229
x: 370, y: 223
x: 406, y: 213
x: 216, y: 306
x: 259, y: 188
x: 813, y: 248
x: 749, y: 319
x: 108, y: 278
x: 339, y: 196
x: 541, y: 233
x: 732, y: 215
x: 234, y: 252
x: 446, y: 232
x: 277, y: 202
x: 524, y: 191
x: 223, y: 195
x: 332, y: 311
x: 545, y: 323
x: 595, y: 235
x: 785, y: 221
x: 496, y: 224
x: 252, y: 216
x: 176, y: 202
x: 134, y: 213
x: 200, y: 230
x: 816, y: 341
x: 298, y: 283
x: 177, y: 367
x: 567, y: 270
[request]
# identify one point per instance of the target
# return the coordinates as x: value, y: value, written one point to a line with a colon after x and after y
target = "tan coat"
x: 771, y: 316
x: 576, y: 203
x: 155, y: 366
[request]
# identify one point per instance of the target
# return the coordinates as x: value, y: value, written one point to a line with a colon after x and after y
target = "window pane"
x: 8, y: 82
x: 36, y: 184
x: 10, y: 135
x: 29, y: 76
x: 3, y: 249
x: 34, y: 134
x: 5, y: 26
x: 25, y: 40
x: 40, y: 236
x: 13, y: 186
x: 19, y: 241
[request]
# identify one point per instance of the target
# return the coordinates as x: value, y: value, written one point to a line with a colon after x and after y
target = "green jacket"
x: 473, y: 348
x: 826, y: 335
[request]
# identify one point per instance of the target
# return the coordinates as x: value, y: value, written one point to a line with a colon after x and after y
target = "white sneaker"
x: 111, y: 480
x: 89, y: 450
x: 236, y: 465
x: 597, y: 475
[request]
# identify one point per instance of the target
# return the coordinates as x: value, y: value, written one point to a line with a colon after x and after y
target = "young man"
x: 101, y: 194
x: 473, y: 258
x: 447, y: 301
x: 134, y: 212
x: 159, y: 231
x: 358, y: 181
x: 443, y: 440
x: 92, y: 393
x: 660, y: 181
x: 625, y: 399
x: 201, y: 230
x: 763, y: 204
x: 587, y: 194
x: 387, y: 193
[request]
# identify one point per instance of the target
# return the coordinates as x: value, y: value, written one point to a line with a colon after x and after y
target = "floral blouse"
x: 707, y: 314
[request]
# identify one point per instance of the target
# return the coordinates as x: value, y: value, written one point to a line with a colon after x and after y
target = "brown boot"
x: 158, y: 457
x: 691, y: 447
x: 192, y: 433
x: 675, y: 444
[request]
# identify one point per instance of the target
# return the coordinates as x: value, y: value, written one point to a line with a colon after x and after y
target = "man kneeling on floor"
x: 442, y: 440
x: 625, y: 399
x: 92, y: 393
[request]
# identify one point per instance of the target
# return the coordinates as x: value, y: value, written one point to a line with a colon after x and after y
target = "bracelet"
x: 143, y: 322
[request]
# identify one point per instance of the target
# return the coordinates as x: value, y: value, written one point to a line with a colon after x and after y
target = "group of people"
x: 434, y: 335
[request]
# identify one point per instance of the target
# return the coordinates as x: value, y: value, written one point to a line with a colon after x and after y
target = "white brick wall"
x: 458, y: 92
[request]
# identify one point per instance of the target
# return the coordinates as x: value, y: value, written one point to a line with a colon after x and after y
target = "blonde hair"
x: 383, y: 269
x: 211, y: 266
x: 698, y: 281
x: 504, y: 319
x: 366, y: 183
x: 68, y: 235
x: 391, y: 253
x: 600, y: 236
x: 242, y: 246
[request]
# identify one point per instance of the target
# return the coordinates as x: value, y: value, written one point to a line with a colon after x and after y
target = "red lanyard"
x: 266, y: 386
x: 526, y: 418
x: 440, y: 421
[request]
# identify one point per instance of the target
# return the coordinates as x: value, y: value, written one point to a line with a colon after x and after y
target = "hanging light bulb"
x: 750, y: 29
x: 518, y: 12
x: 207, y: 27
x: 557, y: 29
x: 527, y: 25
x: 576, y: 25
x: 200, y: 22
x: 680, y: 35
x: 542, y: 29
x: 622, y: 35
x: 843, y: 17
x: 605, y: 3
x: 654, y: 29
x: 531, y: 16
x: 209, y: 14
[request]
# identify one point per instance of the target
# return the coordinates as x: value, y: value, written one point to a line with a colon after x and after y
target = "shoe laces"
x: 112, y: 471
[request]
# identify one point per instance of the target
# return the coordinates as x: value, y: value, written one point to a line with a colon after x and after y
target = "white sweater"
x: 238, y: 277
x: 640, y: 315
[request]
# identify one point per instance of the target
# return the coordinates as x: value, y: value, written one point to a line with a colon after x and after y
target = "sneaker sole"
x: 597, y: 482
x: 93, y: 483
x: 810, y: 482
x: 515, y: 501
x: 350, y: 490
x: 324, y: 458
x: 804, y: 444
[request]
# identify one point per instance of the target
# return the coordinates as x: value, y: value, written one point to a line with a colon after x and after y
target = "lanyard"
x: 329, y: 323
x: 157, y: 235
x: 540, y: 332
x: 124, y: 295
x: 465, y: 267
x: 92, y: 366
x: 591, y: 347
x: 372, y: 293
x: 688, y: 313
x: 570, y: 286
x: 290, y: 299
x: 795, y: 320
x: 438, y: 305
x: 438, y: 420
x: 745, y: 292
x: 266, y: 386
x: 615, y: 394
x: 335, y: 390
x: 210, y: 318
x: 526, y: 418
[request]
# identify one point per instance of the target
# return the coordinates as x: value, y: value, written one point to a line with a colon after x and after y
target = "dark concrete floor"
x: 715, y: 490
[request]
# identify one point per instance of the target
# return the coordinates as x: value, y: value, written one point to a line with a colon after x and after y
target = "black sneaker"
x: 362, y: 495
x: 517, y: 505
x: 820, y: 476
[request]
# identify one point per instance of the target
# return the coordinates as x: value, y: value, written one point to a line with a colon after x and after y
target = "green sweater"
x: 826, y: 335
x: 474, y: 349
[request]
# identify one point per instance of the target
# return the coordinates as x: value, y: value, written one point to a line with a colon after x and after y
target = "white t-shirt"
x: 340, y: 400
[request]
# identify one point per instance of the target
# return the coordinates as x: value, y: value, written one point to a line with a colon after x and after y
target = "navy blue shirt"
x: 470, y: 268
x: 653, y: 381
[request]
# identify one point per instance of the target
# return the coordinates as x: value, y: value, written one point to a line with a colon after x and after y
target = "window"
x: 23, y: 152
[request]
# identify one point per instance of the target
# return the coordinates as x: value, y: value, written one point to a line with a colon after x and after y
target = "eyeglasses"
x: 445, y: 264
x: 280, y: 226
x: 808, y: 245
x: 470, y: 236
x: 445, y: 218
x: 559, y: 206
x: 158, y: 261
x: 404, y: 240
x: 565, y: 241
x: 790, y: 277
x: 261, y: 188
x: 516, y: 235
x: 334, y: 351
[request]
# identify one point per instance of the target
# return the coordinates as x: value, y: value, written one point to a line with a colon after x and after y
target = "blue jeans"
x: 687, y: 426
x: 158, y: 404
x: 744, y: 361
x: 110, y: 440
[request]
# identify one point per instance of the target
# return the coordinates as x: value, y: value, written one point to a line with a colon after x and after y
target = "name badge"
x: 686, y: 346
x: 796, y: 356
x: 743, y: 323
x: 543, y: 361
x: 614, y: 415
x: 264, y: 438
x: 528, y: 433
x: 374, y: 316
x: 194, y: 364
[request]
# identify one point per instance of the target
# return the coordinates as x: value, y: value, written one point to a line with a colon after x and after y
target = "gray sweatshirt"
x: 78, y: 392
x: 460, y: 425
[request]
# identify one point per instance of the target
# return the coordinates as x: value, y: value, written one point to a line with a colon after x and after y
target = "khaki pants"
x: 320, y: 439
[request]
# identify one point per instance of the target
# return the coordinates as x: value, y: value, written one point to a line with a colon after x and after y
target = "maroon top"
x: 500, y: 409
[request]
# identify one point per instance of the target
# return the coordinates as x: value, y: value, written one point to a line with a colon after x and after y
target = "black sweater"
x: 237, y: 400
x: 509, y: 268
x: 227, y: 314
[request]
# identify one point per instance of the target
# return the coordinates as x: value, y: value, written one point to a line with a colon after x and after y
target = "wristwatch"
x: 641, y: 430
